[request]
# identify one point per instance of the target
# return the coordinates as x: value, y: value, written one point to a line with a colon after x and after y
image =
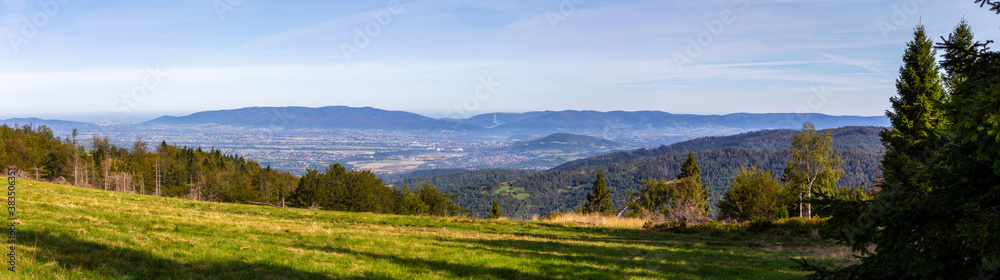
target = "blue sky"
x: 128, y: 60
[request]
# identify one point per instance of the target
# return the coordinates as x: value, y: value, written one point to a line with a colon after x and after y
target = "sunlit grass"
x: 596, y: 220
x: 76, y: 233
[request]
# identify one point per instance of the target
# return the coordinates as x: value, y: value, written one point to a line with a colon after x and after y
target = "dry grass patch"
x: 595, y: 220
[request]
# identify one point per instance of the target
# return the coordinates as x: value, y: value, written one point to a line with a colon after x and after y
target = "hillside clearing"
x: 68, y: 232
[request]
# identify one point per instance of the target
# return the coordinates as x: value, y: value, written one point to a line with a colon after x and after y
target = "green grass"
x: 75, y: 233
x: 516, y: 192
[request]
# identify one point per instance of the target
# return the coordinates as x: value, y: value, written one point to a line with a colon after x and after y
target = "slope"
x: 846, y: 138
x: 564, y: 143
x: 75, y: 233
x: 560, y: 190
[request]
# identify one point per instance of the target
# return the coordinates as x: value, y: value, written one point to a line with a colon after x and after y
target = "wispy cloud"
x: 853, y: 62
x: 604, y: 55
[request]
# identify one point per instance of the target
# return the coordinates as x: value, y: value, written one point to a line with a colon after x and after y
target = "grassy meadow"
x: 69, y: 232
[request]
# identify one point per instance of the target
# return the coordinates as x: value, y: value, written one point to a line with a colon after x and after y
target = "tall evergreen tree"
x: 959, y: 55
x: 942, y: 221
x: 916, y: 116
x: 599, y: 198
x: 690, y: 169
x: 495, y: 210
x: 813, y: 166
x: 690, y: 184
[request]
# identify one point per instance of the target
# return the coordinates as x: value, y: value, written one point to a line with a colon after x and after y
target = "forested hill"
x: 560, y: 190
x: 565, y: 141
x: 556, y: 149
x: 392, y: 177
x: 720, y: 158
x: 474, y: 177
x: 861, y: 138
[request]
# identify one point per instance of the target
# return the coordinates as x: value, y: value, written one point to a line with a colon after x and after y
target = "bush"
x: 753, y: 194
x: 759, y: 225
x: 791, y: 230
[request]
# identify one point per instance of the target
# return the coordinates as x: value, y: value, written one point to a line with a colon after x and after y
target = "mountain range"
x: 649, y: 127
x: 333, y: 117
x: 637, y: 127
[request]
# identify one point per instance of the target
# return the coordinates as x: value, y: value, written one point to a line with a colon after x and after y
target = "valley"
x: 293, y: 139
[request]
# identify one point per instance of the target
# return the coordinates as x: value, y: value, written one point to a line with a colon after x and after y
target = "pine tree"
x: 495, y: 211
x: 599, y: 198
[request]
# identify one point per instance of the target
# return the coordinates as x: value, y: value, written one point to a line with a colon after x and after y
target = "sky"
x: 122, y: 61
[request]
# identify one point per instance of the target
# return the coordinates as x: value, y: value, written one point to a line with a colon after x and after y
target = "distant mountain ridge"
x: 572, y: 121
x: 613, y: 125
x: 331, y: 117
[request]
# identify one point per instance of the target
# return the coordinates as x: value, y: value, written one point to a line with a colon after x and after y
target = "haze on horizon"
x: 445, y: 58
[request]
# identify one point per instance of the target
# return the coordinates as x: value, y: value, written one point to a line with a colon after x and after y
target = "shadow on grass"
x: 695, y: 261
x: 453, y: 269
x: 123, y: 263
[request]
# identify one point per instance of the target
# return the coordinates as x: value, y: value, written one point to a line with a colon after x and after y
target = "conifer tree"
x: 495, y: 211
x: 690, y: 169
x: 939, y: 216
x: 959, y: 55
x: 916, y: 114
x: 599, y: 198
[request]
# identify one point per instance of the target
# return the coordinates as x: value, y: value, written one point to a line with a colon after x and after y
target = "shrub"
x: 753, y: 194
x: 759, y: 225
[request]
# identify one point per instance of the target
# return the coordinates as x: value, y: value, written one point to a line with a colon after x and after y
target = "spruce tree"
x: 495, y: 211
x: 959, y: 55
x: 916, y: 116
x: 690, y: 169
x: 599, y: 198
x: 689, y: 191
x: 938, y: 217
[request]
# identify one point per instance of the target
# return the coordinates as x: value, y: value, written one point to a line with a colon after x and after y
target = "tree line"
x: 559, y: 190
x: 204, y: 175
x: 813, y: 167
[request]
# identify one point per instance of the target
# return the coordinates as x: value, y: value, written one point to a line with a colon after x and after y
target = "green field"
x: 75, y: 233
